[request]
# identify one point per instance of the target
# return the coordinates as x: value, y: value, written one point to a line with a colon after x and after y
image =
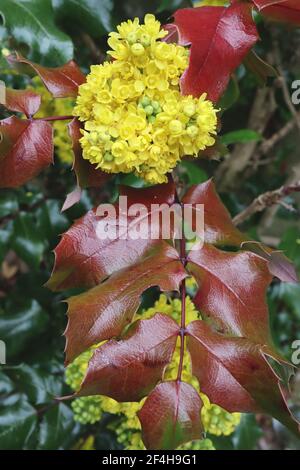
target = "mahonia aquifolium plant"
x: 128, y: 429
x: 135, y: 118
x: 142, y: 112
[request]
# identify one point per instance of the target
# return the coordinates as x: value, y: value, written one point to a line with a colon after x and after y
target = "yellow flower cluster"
x: 56, y: 107
x: 135, y: 119
x: 216, y: 421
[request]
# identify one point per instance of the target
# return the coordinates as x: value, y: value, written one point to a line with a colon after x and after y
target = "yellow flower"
x: 136, y: 99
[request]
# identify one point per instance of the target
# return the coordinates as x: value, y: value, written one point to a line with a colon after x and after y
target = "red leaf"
x: 279, y: 265
x: 60, y: 81
x: 282, y: 10
x: 27, y: 149
x: 22, y: 101
x: 129, y: 369
x: 232, y: 291
x: 72, y: 198
x: 220, y: 38
x: 234, y: 373
x: 171, y: 416
x: 219, y: 229
x: 83, y: 260
x: 104, y: 311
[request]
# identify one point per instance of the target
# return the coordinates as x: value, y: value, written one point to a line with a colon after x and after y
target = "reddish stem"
x: 183, y: 300
x: 55, y: 118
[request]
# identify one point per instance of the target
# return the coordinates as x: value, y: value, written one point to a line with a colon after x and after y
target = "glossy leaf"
x: 224, y: 362
x: 281, y: 10
x: 232, y: 292
x: 27, y: 150
x: 104, y: 311
x: 8, y: 202
x: 18, y: 421
x: 261, y: 69
x: 279, y: 265
x: 247, y: 433
x: 27, y: 241
x: 6, y: 385
x: 83, y: 260
x: 18, y: 328
x: 91, y: 16
x: 127, y: 370
x: 240, y: 136
x: 22, y: 101
x: 56, y: 425
x: 61, y: 81
x: 220, y: 38
x: 219, y: 229
x: 170, y: 416
x: 32, y: 22
x: 38, y: 385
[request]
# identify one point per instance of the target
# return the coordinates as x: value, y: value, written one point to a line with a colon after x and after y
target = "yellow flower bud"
x: 137, y: 49
x: 189, y: 109
x: 175, y: 127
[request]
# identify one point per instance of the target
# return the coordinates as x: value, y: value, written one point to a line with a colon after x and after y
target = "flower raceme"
x: 135, y: 118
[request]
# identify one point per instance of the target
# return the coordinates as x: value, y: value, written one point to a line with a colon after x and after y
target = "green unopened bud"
x: 175, y: 127
x: 151, y: 119
x: 108, y: 157
x: 145, y: 40
x: 137, y: 49
x: 149, y: 110
x: 192, y: 131
x: 131, y: 38
x: 145, y: 101
x: 189, y: 109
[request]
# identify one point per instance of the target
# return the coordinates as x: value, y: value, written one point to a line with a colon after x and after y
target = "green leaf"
x: 290, y: 244
x: 261, y: 69
x: 32, y: 22
x: 231, y: 95
x: 8, y: 202
x: 6, y: 385
x: 193, y: 172
x: 55, y: 427
x: 51, y: 222
x: 38, y: 385
x: 172, y: 5
x: 5, y: 235
x: 290, y: 294
x: 28, y: 242
x: 18, y: 329
x: 91, y: 16
x: 240, y: 136
x: 18, y: 421
x: 247, y: 433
